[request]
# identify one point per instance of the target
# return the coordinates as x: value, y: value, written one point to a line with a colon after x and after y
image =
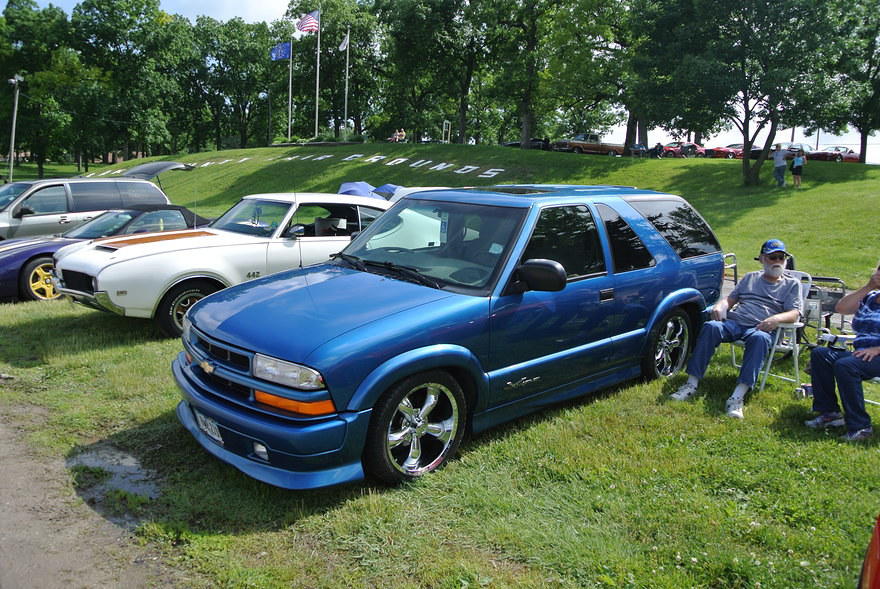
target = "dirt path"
x: 50, y: 538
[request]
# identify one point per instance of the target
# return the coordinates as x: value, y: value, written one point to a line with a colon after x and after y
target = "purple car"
x: 26, y: 264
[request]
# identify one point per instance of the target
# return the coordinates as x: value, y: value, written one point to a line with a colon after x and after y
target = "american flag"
x: 309, y: 23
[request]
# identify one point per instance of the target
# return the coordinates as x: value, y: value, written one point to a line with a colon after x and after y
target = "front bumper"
x: 99, y: 300
x: 302, y: 454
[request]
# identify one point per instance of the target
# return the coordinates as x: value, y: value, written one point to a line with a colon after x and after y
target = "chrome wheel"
x: 669, y: 346
x: 416, y: 427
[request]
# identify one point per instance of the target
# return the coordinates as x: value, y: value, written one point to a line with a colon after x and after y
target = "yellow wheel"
x: 36, y: 280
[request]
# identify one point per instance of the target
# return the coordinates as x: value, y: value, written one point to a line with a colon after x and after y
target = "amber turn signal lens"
x: 302, y: 407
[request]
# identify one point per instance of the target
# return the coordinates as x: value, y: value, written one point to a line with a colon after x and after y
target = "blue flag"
x: 280, y: 51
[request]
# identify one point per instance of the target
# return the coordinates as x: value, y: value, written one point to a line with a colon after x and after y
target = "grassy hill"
x: 622, y: 489
x: 828, y: 224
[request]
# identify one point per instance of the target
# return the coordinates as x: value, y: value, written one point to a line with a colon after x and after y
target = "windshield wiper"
x: 353, y: 260
x: 408, y: 272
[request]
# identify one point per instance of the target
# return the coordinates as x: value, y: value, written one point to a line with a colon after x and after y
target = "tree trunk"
x: 632, y: 127
x: 863, y: 145
x: 643, y: 133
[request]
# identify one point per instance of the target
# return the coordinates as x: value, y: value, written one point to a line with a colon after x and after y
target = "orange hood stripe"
x: 156, y: 237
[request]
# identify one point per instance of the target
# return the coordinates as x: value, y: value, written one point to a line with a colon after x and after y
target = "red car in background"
x: 683, y: 149
x: 734, y: 150
x: 834, y: 153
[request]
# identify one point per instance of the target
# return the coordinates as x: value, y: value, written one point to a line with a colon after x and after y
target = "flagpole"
x: 289, y: 87
x: 318, y: 76
x: 345, y: 115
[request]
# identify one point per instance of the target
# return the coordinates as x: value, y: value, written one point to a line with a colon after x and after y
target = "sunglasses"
x: 775, y: 257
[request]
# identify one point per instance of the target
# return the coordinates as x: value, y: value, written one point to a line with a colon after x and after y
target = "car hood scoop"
x: 290, y: 314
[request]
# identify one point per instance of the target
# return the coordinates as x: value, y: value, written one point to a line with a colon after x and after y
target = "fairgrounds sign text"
x: 383, y: 160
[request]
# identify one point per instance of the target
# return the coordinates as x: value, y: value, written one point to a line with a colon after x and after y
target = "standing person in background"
x: 797, y: 167
x: 779, y: 164
x: 401, y: 135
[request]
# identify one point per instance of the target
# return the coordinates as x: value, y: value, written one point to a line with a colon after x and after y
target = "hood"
x: 17, y: 246
x: 100, y: 252
x: 150, y: 170
x: 290, y: 314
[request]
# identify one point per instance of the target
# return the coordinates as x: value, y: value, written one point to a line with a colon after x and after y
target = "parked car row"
x: 328, y: 337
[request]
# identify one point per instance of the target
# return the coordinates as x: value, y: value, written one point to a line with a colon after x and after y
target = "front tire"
x: 35, y: 283
x: 730, y: 155
x: 416, y: 427
x: 668, y: 346
x: 177, y: 302
x: 578, y: 150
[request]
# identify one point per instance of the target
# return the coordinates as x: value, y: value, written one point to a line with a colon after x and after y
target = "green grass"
x: 622, y: 489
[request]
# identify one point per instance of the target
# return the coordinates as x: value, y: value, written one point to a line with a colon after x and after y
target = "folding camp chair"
x: 819, y: 306
x: 785, y: 339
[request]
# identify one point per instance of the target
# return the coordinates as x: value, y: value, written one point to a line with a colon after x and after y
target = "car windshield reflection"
x: 101, y: 226
x: 452, y: 244
x: 253, y: 217
x: 9, y: 192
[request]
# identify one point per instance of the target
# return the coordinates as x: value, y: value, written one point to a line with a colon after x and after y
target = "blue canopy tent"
x: 386, y: 190
x: 358, y: 189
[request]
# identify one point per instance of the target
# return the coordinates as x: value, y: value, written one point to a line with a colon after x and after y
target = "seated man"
x: 752, y: 311
x: 830, y: 366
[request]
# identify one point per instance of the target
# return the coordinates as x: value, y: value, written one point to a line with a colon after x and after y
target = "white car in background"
x: 161, y: 275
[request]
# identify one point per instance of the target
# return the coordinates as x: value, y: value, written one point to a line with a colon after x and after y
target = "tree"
x: 859, y: 70
x: 758, y: 64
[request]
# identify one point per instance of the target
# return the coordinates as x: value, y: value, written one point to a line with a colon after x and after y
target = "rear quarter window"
x: 94, y: 196
x: 141, y: 193
x: 682, y: 226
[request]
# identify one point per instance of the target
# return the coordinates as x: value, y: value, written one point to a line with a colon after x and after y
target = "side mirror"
x: 22, y: 211
x: 295, y: 231
x: 539, y: 275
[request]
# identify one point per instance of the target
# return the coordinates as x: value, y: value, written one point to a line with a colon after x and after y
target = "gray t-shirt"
x: 779, y: 157
x: 757, y: 299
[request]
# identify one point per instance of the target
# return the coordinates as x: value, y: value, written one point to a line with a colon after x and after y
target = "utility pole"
x: 15, y: 81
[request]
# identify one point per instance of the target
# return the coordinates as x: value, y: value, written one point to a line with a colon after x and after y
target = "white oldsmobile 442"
x: 161, y: 275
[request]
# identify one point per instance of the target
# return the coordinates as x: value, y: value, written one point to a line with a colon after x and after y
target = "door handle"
x: 606, y: 294
x: 63, y: 221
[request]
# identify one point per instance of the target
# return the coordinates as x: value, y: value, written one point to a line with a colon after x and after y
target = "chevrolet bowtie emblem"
x: 207, y: 367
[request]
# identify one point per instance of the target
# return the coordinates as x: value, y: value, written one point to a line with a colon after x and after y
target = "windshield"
x: 101, y: 226
x: 8, y: 192
x: 253, y: 217
x: 453, y: 244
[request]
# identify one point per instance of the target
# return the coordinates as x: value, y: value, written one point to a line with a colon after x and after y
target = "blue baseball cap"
x: 772, y: 246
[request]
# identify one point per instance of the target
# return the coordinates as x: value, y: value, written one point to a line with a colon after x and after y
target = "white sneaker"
x: 734, y: 408
x: 685, y: 392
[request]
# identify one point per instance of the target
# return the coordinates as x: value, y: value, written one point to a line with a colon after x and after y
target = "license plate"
x: 209, y: 426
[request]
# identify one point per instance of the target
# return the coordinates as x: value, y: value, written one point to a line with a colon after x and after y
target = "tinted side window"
x: 141, y: 193
x: 681, y: 225
x: 627, y: 249
x: 46, y: 201
x: 569, y: 236
x: 95, y: 196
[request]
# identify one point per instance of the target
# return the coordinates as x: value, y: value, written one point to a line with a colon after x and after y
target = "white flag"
x: 344, y: 45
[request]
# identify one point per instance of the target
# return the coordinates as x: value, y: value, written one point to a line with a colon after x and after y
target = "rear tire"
x: 35, y: 282
x: 612, y: 153
x: 416, y: 427
x: 730, y: 155
x: 178, y: 300
x: 668, y: 346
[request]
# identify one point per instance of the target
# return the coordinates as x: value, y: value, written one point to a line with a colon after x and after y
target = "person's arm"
x: 719, y: 310
x: 773, y: 321
x: 850, y: 303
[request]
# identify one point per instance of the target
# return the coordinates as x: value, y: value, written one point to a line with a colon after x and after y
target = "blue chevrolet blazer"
x: 456, y: 310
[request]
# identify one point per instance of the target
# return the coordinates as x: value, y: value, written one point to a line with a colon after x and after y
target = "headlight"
x: 287, y: 373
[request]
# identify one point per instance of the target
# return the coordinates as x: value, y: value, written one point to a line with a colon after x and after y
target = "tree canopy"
x: 122, y: 77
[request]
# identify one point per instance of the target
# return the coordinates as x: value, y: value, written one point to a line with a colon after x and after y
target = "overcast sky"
x: 223, y: 10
